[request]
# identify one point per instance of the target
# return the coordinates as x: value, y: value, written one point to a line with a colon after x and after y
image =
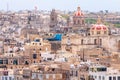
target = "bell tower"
x: 78, y: 19
x: 53, y: 19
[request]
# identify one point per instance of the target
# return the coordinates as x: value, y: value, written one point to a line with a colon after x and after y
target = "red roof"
x: 78, y: 13
x: 99, y: 27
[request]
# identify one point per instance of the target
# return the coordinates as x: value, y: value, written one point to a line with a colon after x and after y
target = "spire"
x: 99, y: 20
x: 78, y: 8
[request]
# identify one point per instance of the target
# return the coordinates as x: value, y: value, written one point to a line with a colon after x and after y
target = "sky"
x: 90, y: 5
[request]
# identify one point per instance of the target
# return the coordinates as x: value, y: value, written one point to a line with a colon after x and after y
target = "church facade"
x: 97, y: 36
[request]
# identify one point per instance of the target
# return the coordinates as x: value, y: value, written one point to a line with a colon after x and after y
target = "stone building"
x: 33, y: 49
x: 46, y: 71
x: 28, y: 30
x: 99, y: 37
x: 53, y: 19
x: 12, y: 61
x: 78, y: 20
x: 20, y: 58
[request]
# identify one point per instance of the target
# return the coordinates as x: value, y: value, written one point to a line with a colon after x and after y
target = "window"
x: 118, y: 77
x: 10, y: 78
x: 114, y: 78
x: 34, y: 56
x: 6, y: 78
x: 39, y: 43
x: 40, y: 49
x: 40, y: 76
x: 91, y: 69
x: 72, y: 73
x: 2, y: 78
x: 95, y: 41
x: 33, y: 76
x: 103, y: 78
x: 6, y: 61
x: 76, y: 73
x: 105, y: 32
x: 101, y: 69
x: 100, y: 41
x: 1, y: 61
x: 11, y: 62
x: 11, y: 51
x: 15, y: 62
x: 98, y: 32
x: 49, y: 58
x: 37, y: 40
x: 34, y: 61
x: 83, y: 22
x: 11, y: 67
x: 82, y: 42
x: 95, y: 77
x: 26, y: 63
x: 99, y: 77
x: 110, y: 78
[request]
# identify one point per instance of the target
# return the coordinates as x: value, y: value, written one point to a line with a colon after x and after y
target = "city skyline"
x: 92, y: 5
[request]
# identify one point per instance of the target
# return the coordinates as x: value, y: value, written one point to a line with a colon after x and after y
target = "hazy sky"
x: 90, y: 5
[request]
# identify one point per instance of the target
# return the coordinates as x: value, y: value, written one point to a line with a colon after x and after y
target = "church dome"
x: 78, y: 12
x: 99, y: 29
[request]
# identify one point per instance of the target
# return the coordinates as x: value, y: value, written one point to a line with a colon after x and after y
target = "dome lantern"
x: 78, y: 13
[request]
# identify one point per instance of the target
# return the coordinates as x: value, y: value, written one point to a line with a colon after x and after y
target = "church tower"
x: 53, y: 19
x: 78, y: 19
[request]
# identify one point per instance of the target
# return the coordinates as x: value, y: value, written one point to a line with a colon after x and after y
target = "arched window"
x: 82, y: 21
x: 95, y: 41
x: 82, y: 42
x: 100, y: 42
